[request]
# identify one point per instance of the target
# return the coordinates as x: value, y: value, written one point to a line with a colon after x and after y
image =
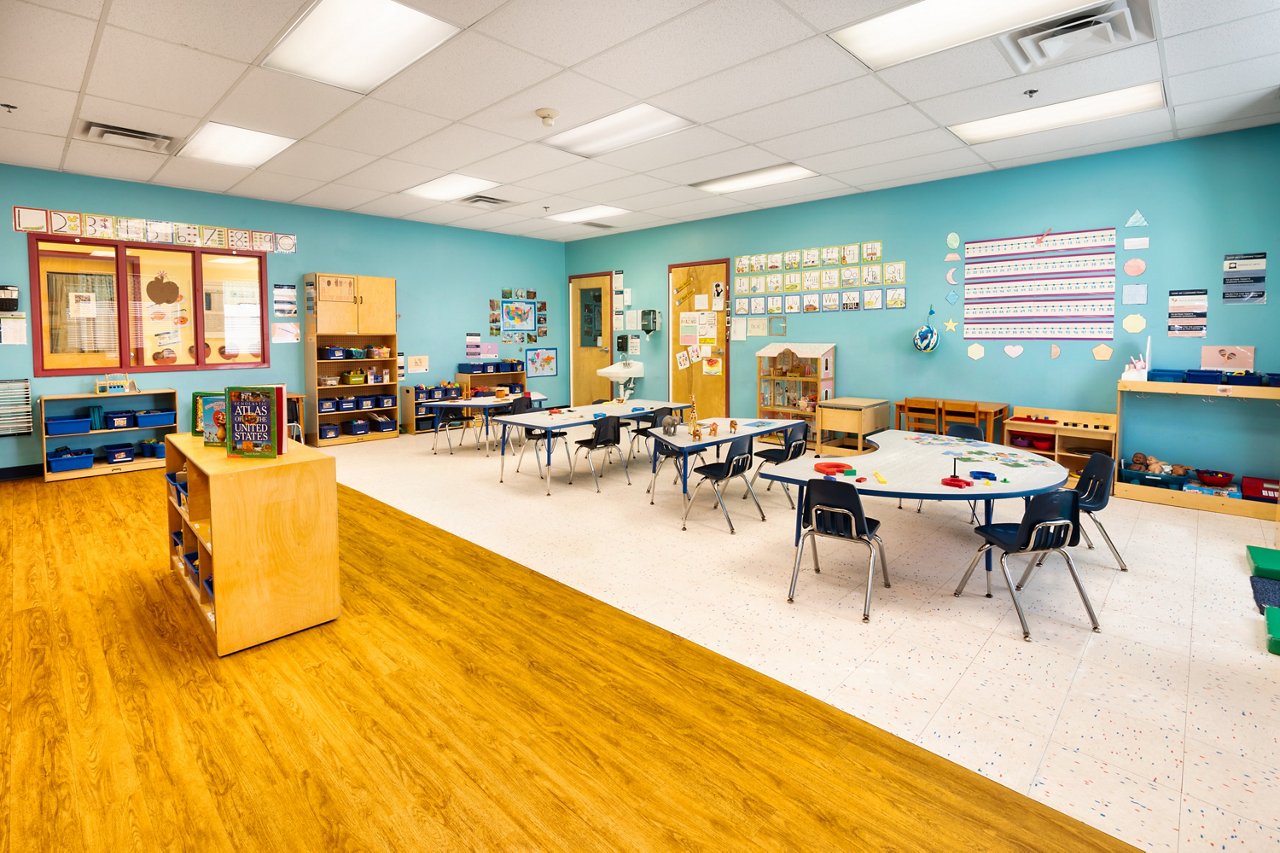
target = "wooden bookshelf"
x: 67, y: 405
x: 1074, y: 436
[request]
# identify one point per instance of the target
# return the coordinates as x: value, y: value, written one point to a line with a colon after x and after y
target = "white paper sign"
x: 738, y: 329
x: 701, y: 302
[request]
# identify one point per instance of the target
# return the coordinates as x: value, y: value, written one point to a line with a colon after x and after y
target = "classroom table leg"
x: 989, y: 512
x: 502, y: 452
x: 800, y: 487
x: 549, y: 442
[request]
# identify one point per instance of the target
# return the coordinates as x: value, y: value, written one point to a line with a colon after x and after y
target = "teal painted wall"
x: 1202, y: 197
x: 445, y: 277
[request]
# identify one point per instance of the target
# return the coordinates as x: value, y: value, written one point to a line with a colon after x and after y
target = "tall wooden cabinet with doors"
x: 350, y: 312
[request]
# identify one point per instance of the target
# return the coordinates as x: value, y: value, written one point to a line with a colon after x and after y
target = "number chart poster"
x: 1049, y: 286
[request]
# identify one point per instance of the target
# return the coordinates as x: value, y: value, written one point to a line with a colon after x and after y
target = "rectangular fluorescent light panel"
x: 931, y: 26
x: 634, y: 124
x: 451, y: 187
x: 1123, y: 102
x: 357, y: 44
x: 588, y: 214
x: 754, y: 179
x: 234, y: 146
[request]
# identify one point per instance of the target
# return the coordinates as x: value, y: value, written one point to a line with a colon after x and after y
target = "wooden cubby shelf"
x: 1073, y: 436
x: 68, y: 405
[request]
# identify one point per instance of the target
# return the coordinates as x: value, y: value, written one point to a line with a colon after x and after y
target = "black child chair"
x: 1051, y: 523
x: 607, y: 437
x: 1094, y: 489
x: 793, y: 447
x: 736, y: 463
x: 833, y: 509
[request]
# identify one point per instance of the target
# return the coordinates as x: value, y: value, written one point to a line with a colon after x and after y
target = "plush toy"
x: 713, y: 430
x: 669, y: 424
x: 1179, y: 470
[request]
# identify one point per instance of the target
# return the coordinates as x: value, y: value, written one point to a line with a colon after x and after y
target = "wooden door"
x: 376, y: 303
x: 700, y: 291
x: 590, y: 335
x: 336, y: 309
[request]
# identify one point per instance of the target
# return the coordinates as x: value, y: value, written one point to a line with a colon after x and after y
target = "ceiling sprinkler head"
x: 1031, y: 93
x: 548, y: 116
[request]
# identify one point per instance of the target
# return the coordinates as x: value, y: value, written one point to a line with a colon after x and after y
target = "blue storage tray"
x: 347, y: 404
x: 119, y: 420
x: 1242, y: 379
x: 382, y: 426
x: 366, y: 401
x: 176, y: 538
x: 386, y: 401
x: 162, y: 417
x: 356, y: 427
x: 328, y: 430
x: 324, y: 406
x: 1166, y: 375
x: 208, y: 586
x: 1159, y: 481
x: 1204, y: 377
x: 116, y: 453
x: 65, y: 425
x: 78, y: 461
x: 192, y: 562
x: 331, y: 353
x: 469, y: 367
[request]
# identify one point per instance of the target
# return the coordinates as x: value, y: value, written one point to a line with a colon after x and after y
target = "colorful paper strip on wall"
x: 41, y: 221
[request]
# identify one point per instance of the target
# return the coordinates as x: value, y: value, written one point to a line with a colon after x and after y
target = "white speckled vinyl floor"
x: 1163, y: 730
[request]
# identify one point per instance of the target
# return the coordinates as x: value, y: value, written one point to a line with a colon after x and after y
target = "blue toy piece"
x: 982, y: 475
x: 598, y: 415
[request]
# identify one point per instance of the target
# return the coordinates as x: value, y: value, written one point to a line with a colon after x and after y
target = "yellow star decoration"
x: 951, y: 325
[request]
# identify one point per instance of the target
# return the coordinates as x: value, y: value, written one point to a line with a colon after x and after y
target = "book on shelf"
x: 211, y: 410
x: 197, y: 425
x: 256, y: 421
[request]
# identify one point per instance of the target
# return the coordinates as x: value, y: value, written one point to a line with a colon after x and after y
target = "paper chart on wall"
x: 757, y: 327
x: 1034, y: 244
x: 738, y: 329
x: 1066, y: 330
x: 1188, y: 313
x: 1038, y: 267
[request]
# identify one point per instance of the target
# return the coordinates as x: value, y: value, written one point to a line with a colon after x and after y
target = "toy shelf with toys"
x: 793, y: 379
x: 1068, y: 438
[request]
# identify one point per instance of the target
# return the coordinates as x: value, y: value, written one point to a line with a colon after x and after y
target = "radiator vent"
x: 1099, y: 29
x: 126, y: 137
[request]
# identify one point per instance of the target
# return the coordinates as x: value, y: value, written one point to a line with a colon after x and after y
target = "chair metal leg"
x: 752, y: 492
x: 653, y: 482
x: 1107, y: 538
x: 688, y: 505
x: 969, y: 571
x: 884, y: 561
x: 1084, y: 596
x: 715, y: 487
x: 795, y: 569
x: 1013, y: 593
x: 1036, y: 561
x: 786, y: 491
x: 871, y: 576
x: 1085, y: 534
x: 573, y: 465
x: 920, y: 505
x: 626, y: 469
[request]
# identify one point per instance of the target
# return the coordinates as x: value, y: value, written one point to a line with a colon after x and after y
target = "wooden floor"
x: 460, y: 702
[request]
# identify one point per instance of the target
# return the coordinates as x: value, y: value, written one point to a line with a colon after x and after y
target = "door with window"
x: 699, y: 346
x: 590, y: 335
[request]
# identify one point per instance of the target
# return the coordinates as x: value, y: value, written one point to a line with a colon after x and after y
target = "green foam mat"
x: 1273, y: 629
x: 1265, y: 562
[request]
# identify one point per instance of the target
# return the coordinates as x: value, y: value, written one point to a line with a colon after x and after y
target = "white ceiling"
x: 759, y: 79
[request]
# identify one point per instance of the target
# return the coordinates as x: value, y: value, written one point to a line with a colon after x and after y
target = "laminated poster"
x: 1188, y: 313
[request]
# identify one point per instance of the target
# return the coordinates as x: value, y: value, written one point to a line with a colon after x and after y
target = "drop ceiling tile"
x: 279, y: 103
x: 83, y: 8
x: 1180, y: 16
x: 199, y: 175
x: 720, y: 165
x: 455, y: 146
x: 390, y: 176
x: 661, y: 198
x: 710, y: 204
x: 137, y: 69
x: 492, y: 219
x: 954, y: 70
x: 632, y: 185
x: 1228, y: 126
x: 465, y: 74
x: 1225, y: 80
x: 1096, y: 148
x: 778, y: 192
x: 681, y: 50
x: 1260, y: 103
x: 376, y: 127
x: 105, y: 111
x: 570, y: 178
x: 40, y: 108
x: 520, y: 163
x: 444, y: 214
x: 578, y: 99
x: 815, y: 63
x: 960, y: 158
x: 308, y: 160
x: 634, y: 219
x: 460, y: 13
x: 840, y: 191
x: 1093, y: 76
x: 38, y: 150
x: 546, y: 206
x: 393, y: 205
x: 887, y: 124
x: 44, y: 46
x: 338, y: 197
x: 886, y: 151
x: 564, y: 232
x: 108, y: 161
x: 834, y: 103
x: 924, y: 179
x: 1064, y: 138
x: 236, y: 29
x: 568, y: 31
x: 525, y: 228
x: 273, y: 187
x: 1233, y: 42
x: 672, y: 148
x: 514, y: 193
x: 825, y: 15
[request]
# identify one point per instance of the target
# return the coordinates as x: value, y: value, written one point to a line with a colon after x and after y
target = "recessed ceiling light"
x: 930, y: 26
x: 451, y: 187
x: 234, y: 146
x: 634, y: 124
x: 1123, y: 102
x: 584, y: 214
x: 757, y: 178
x: 357, y: 44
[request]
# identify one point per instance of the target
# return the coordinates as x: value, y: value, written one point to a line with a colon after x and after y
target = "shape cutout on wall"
x: 952, y: 256
x: 1054, y: 350
x: 1102, y: 352
x: 1137, y: 220
x: 953, y: 240
x: 1134, y: 294
x: 1135, y: 267
x: 1013, y: 350
x: 952, y: 297
x: 976, y: 351
x: 951, y: 276
x: 1134, y: 323
x: 951, y: 325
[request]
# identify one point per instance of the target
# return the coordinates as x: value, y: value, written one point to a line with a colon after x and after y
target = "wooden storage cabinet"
x: 365, y: 307
x: 844, y: 423
x: 66, y: 405
x: 1070, y: 440
x: 466, y: 380
x: 793, y: 379
x: 261, y: 535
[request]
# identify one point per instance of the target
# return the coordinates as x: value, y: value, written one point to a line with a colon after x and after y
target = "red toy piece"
x: 957, y: 482
x: 830, y: 468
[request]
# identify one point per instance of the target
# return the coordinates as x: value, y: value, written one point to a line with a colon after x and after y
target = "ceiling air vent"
x: 487, y: 202
x: 1099, y: 29
x: 601, y: 225
x: 125, y: 137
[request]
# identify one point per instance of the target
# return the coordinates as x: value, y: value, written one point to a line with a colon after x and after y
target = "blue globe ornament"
x: 926, y: 337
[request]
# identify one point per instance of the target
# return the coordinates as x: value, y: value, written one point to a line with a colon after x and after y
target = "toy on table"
x: 696, y: 432
x: 879, y: 477
x: 713, y: 430
x: 669, y: 424
x: 957, y: 482
x: 733, y: 426
x: 982, y: 475
x: 831, y: 468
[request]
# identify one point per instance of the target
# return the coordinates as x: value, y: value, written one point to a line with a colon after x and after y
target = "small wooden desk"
x: 858, y: 416
x: 988, y: 414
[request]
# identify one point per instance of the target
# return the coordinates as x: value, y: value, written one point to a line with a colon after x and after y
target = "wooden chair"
x: 921, y: 414
x: 960, y: 412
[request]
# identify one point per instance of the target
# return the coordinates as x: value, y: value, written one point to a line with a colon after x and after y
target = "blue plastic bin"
x: 78, y: 460
x: 386, y: 401
x: 1204, y: 377
x: 1166, y: 375
x: 382, y: 426
x: 331, y: 353
x: 160, y: 417
x: 116, y: 453
x: 65, y: 425
x: 358, y: 426
x: 346, y: 404
x: 324, y: 406
x: 328, y: 430
x: 119, y: 420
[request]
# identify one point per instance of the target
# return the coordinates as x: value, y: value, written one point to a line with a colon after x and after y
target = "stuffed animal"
x: 1179, y: 470
x: 669, y: 424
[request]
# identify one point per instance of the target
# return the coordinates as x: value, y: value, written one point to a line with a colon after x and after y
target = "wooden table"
x: 858, y: 416
x: 988, y: 414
